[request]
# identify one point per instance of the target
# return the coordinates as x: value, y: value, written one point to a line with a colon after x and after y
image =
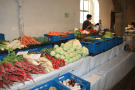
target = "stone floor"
x: 127, y: 83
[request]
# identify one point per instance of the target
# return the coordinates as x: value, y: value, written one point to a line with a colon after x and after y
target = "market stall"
x: 79, y: 68
x: 45, y: 62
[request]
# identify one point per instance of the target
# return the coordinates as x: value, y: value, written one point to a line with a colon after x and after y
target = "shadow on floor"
x: 127, y: 83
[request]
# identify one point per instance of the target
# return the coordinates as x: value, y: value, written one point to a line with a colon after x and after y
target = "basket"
x: 47, y: 85
x: 94, y: 48
x: 107, y: 42
x: 85, y: 84
x: 119, y: 40
x: 2, y: 36
x: 29, y: 50
x: 60, y: 37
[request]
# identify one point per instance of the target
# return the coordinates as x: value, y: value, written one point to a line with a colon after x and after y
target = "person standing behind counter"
x: 87, y: 24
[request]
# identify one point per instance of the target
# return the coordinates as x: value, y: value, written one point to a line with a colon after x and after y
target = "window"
x: 89, y: 7
x: 84, y: 9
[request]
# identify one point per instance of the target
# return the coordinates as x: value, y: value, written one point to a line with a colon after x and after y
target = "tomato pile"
x: 57, y: 63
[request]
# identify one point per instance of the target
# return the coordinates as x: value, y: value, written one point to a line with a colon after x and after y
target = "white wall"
x: 105, y: 8
x: 39, y: 16
x: 42, y: 16
x: 8, y: 19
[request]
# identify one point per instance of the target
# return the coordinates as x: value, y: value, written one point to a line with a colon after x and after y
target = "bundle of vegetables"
x: 70, y: 51
x: 11, y: 58
x: 3, y: 45
x: 89, y: 37
x: 27, y: 40
x: 58, y: 33
x: 44, y: 62
x: 89, y: 31
x: 18, y: 72
x: 15, y: 44
x: 15, y: 69
x: 108, y: 35
x: 56, y: 62
x: 76, y: 31
x: 47, y: 50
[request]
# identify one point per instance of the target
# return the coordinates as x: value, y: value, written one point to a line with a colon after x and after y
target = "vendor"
x: 87, y: 24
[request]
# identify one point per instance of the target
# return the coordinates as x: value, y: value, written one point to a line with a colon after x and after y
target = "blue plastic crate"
x: 107, y: 42
x: 38, y: 49
x: 94, y: 48
x: 119, y: 40
x: 47, y: 85
x: 29, y: 50
x: 101, y: 43
x: 114, y: 41
x: 60, y: 37
x: 85, y: 84
x: 2, y: 36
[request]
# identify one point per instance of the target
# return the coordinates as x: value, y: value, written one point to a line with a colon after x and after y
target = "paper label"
x: 22, y: 53
x: 36, y: 56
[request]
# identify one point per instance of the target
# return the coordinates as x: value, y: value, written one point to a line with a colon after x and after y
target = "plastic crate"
x: 119, y: 40
x: 114, y: 41
x: 60, y: 37
x: 2, y: 36
x: 38, y: 49
x: 85, y: 84
x: 94, y: 48
x: 107, y: 42
x: 29, y: 50
x: 101, y: 42
x: 47, y: 85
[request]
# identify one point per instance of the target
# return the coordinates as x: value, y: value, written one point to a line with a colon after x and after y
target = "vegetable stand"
x: 82, y: 66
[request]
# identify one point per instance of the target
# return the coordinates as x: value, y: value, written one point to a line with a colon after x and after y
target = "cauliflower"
x: 84, y: 51
x: 76, y: 44
x: 57, y: 56
x: 62, y: 57
x: 56, y: 46
x: 57, y: 50
x: 52, y: 53
x: 70, y: 60
x: 62, y: 45
x: 67, y: 46
x: 62, y: 52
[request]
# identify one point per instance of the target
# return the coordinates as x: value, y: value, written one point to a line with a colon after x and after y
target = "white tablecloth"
x: 111, y: 72
x: 79, y: 68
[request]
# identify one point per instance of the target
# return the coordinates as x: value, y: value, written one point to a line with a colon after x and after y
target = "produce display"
x: 44, y: 62
x: 54, y: 33
x: 28, y: 40
x: 108, y: 34
x: 70, y: 51
x: 88, y: 31
x: 16, y: 69
x: 71, y: 84
x: 18, y: 43
x: 77, y: 32
x: 5, y: 45
x: 89, y: 37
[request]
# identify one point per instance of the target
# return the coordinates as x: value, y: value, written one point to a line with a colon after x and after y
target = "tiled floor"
x: 127, y: 83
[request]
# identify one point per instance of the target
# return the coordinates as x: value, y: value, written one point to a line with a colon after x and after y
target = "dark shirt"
x: 86, y: 24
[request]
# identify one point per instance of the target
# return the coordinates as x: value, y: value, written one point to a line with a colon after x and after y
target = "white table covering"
x: 79, y: 68
x: 111, y: 72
